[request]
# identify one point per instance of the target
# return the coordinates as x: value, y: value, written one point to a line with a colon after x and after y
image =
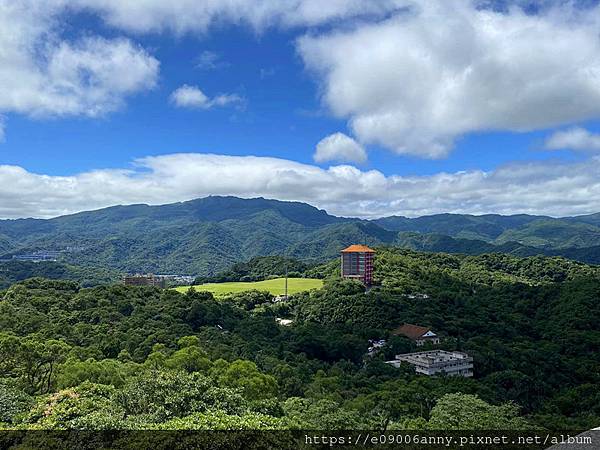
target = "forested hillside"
x: 200, y: 237
x: 132, y: 357
x: 206, y: 236
x: 13, y: 271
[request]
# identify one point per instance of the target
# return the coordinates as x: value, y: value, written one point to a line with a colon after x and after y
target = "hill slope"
x: 14, y: 271
x: 206, y: 236
x: 75, y: 358
x: 202, y: 236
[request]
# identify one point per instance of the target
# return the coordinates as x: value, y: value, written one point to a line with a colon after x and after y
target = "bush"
x: 13, y: 403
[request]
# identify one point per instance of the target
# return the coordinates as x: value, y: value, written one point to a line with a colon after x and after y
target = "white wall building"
x: 437, y: 362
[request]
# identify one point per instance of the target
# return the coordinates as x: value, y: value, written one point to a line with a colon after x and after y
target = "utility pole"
x: 285, y: 261
x: 287, y: 258
x: 286, y: 279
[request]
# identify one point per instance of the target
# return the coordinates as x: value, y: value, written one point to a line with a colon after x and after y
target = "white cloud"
x: 210, y: 61
x: 192, y: 97
x: 43, y: 74
x: 536, y: 188
x: 227, y: 99
x: 409, y: 75
x: 184, y: 16
x: 341, y: 148
x: 575, y: 138
x: 2, y: 127
x: 419, y: 80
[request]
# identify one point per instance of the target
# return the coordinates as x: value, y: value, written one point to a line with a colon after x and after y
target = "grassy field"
x: 275, y: 286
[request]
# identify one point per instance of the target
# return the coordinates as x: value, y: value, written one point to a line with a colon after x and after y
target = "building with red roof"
x: 420, y: 335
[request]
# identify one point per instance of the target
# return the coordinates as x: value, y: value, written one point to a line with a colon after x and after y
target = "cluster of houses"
x: 42, y: 255
x: 430, y: 362
x: 39, y: 256
x: 149, y: 279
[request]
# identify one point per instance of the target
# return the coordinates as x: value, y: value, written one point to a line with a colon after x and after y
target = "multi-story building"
x: 357, y: 263
x: 437, y: 362
x: 143, y: 280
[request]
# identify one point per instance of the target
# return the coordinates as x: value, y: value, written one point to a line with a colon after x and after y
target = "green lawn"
x: 275, y: 286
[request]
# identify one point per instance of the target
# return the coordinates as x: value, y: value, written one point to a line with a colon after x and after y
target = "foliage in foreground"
x: 117, y: 357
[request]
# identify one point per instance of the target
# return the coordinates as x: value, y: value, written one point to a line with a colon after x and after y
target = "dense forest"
x: 204, y: 237
x: 13, y: 271
x: 119, y: 357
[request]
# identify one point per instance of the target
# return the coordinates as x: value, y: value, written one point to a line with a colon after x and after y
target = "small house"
x: 420, y: 335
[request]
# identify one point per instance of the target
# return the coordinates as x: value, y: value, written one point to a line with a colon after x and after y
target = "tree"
x: 159, y: 396
x: 190, y: 357
x: 107, y: 371
x: 322, y: 414
x: 469, y: 412
x: 32, y: 362
x: 87, y: 406
x: 246, y: 376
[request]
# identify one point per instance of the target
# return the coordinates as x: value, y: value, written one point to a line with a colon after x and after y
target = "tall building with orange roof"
x: 357, y: 263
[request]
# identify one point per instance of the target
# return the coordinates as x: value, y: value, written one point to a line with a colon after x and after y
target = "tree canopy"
x: 125, y: 357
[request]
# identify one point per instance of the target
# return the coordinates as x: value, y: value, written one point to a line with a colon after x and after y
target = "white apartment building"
x: 437, y: 362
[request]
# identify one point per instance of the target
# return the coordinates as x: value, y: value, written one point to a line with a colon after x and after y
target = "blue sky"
x: 292, y: 78
x: 282, y: 115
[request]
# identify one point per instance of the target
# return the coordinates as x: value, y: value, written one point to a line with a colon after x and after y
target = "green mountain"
x: 202, y: 236
x: 486, y: 227
x: 553, y: 234
x: 434, y: 242
x: 206, y: 236
x: 592, y: 219
x: 441, y: 243
x: 539, y: 232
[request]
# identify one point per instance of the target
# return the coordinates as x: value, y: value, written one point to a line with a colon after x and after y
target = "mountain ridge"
x: 206, y: 235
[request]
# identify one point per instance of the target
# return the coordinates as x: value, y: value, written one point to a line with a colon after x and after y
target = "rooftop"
x: 358, y: 249
x: 411, y: 331
x: 433, y: 356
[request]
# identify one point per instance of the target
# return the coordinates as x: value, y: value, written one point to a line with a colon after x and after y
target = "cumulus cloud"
x: 192, y: 97
x: 341, y: 148
x: 575, y: 138
x: 420, y: 79
x: 409, y: 75
x: 184, y: 16
x: 42, y: 74
x: 538, y: 188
